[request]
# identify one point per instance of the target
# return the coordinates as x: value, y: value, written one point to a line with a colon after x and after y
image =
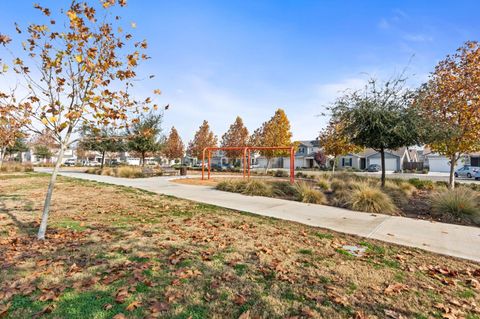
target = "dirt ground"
x: 117, y: 252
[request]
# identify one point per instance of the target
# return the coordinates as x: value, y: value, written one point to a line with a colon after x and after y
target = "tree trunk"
x: 103, y: 159
x: 268, y: 165
x: 451, y: 180
x: 143, y: 159
x: 46, y: 207
x: 382, y: 154
x: 2, y: 156
x: 333, y: 166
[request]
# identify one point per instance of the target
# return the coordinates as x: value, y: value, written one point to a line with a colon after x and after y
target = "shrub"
x: 108, y: 171
x: 338, y: 184
x: 308, y: 194
x: 231, y: 185
x: 421, y: 183
x: 366, y: 198
x: 93, y: 170
x: 300, y: 175
x: 460, y: 203
x: 323, y: 183
x: 16, y: 167
x: 129, y: 172
x: 279, y: 173
x: 255, y: 187
x: 341, y: 198
x: 284, y: 189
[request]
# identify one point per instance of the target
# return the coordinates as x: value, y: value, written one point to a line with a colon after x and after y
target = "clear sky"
x: 215, y: 60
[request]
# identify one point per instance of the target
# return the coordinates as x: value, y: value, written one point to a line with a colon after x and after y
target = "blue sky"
x: 215, y: 60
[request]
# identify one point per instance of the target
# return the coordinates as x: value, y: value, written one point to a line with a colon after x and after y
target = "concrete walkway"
x: 447, y: 239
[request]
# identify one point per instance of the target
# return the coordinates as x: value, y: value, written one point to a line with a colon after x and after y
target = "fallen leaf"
x: 157, y: 307
x: 245, y: 315
x: 132, y: 306
x: 121, y: 295
x: 395, y: 288
x: 4, y: 309
x: 239, y: 300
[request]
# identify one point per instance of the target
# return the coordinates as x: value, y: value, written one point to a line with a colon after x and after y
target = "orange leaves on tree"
x: 449, y: 100
x: 173, y: 148
x: 237, y: 135
x: 203, y: 138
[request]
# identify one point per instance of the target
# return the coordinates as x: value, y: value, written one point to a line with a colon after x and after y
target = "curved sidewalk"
x: 447, y: 239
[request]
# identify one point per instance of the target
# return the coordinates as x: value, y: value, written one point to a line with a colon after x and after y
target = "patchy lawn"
x: 120, y: 252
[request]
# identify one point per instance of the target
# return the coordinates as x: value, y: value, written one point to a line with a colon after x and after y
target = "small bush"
x: 338, y: 185
x: 129, y: 172
x: 341, y: 198
x: 398, y: 190
x: 279, y: 173
x: 255, y: 187
x: 231, y: 185
x: 307, y: 194
x: 96, y: 171
x: 460, y: 203
x: 16, y: 167
x: 284, y: 189
x: 366, y: 198
x: 300, y: 175
x: 323, y: 183
x: 421, y: 183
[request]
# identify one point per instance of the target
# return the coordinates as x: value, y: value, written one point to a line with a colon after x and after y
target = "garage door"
x: 390, y: 163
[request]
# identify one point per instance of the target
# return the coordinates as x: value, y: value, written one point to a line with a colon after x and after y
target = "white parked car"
x: 467, y: 171
x: 93, y: 164
x: 70, y: 162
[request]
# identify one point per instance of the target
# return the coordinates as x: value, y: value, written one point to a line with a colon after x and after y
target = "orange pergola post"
x: 247, y: 157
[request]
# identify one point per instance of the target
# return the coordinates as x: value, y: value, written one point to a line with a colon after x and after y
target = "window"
x: 347, y: 161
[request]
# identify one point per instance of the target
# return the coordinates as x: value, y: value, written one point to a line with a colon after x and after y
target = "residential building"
x: 394, y: 159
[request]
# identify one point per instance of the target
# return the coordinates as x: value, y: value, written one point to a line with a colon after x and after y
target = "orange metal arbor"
x: 247, y: 151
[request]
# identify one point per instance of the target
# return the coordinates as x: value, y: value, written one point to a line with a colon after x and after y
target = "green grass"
x: 466, y: 294
x: 240, y: 269
x: 194, y: 312
x: 306, y: 251
x: 69, y: 224
x: 324, y: 235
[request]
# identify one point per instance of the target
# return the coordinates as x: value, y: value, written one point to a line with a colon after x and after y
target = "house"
x: 441, y: 164
x: 304, y: 157
x: 394, y: 159
x: 29, y: 156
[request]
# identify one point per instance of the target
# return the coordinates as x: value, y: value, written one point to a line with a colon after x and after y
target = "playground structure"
x: 246, y: 158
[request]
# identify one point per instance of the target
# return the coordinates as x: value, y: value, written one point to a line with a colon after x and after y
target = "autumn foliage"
x: 335, y: 143
x: 12, y: 123
x: 203, y: 138
x: 84, y: 68
x: 174, y: 147
x: 237, y: 135
x: 275, y: 132
x: 450, y: 101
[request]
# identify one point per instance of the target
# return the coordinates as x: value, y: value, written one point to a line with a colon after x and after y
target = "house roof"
x: 367, y: 152
x: 311, y: 143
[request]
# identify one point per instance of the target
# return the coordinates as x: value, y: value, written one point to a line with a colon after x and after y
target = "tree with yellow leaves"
x: 335, y: 143
x: 12, y: 123
x: 449, y: 102
x: 275, y: 132
x: 84, y: 70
